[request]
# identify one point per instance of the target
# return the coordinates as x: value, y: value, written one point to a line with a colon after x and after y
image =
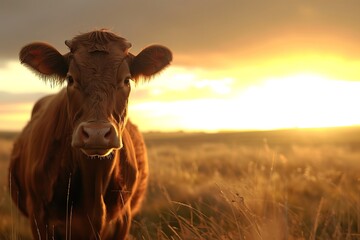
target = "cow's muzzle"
x: 96, y: 138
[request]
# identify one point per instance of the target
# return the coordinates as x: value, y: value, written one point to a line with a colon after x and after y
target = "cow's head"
x: 97, y: 71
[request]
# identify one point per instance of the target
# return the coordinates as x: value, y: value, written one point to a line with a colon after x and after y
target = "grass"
x: 289, y: 184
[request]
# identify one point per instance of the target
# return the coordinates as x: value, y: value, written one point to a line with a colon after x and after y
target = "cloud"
x: 203, y: 30
x: 181, y: 84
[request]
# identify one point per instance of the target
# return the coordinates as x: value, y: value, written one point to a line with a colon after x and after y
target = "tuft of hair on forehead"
x: 97, y: 40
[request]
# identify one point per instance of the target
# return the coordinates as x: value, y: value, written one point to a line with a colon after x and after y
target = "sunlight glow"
x: 14, y: 115
x: 301, y: 101
x: 17, y: 78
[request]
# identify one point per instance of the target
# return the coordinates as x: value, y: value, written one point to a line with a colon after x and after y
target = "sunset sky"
x: 238, y: 64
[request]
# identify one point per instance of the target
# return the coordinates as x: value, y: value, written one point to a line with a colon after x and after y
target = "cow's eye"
x: 127, y: 81
x: 69, y: 79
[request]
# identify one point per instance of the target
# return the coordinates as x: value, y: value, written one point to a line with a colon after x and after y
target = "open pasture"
x: 286, y: 184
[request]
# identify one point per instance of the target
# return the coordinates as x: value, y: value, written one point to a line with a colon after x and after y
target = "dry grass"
x: 269, y: 185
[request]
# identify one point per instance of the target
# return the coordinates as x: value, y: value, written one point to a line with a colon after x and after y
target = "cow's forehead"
x: 98, y: 51
x: 99, y: 41
x: 96, y: 60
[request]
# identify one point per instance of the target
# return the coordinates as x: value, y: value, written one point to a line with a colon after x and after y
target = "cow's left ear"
x: 150, y: 61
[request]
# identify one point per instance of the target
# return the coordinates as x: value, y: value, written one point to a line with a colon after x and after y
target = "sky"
x: 238, y: 64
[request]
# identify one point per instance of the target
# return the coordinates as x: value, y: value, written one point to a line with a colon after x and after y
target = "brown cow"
x: 79, y: 168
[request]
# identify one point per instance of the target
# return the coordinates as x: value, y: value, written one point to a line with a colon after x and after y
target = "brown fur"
x: 60, y: 189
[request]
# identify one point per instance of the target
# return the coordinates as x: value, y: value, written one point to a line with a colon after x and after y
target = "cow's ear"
x: 46, y: 61
x: 150, y: 61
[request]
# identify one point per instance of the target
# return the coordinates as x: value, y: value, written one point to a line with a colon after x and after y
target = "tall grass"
x: 222, y: 187
x: 287, y: 190
x: 12, y: 225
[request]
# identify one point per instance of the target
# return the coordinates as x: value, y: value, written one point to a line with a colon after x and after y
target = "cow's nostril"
x: 108, y: 134
x: 85, y: 133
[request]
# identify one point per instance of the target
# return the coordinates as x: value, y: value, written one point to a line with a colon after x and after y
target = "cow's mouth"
x: 99, y: 154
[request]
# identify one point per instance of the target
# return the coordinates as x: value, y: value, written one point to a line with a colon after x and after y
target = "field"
x: 288, y: 184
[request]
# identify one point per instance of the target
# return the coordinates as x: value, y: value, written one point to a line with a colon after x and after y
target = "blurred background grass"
x: 288, y: 184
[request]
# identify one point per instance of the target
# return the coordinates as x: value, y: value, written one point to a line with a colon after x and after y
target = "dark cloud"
x: 192, y: 29
x: 199, y: 32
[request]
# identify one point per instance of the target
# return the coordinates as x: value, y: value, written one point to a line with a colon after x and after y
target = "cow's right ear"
x: 46, y: 61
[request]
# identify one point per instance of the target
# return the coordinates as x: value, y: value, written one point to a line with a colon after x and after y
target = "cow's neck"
x: 95, y: 176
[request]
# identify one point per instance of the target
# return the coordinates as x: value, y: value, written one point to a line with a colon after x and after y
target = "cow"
x: 78, y: 169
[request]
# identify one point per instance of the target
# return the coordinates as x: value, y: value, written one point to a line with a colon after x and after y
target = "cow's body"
x: 69, y: 182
